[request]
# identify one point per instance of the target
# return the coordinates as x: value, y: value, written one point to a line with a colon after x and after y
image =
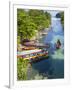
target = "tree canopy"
x: 30, y: 21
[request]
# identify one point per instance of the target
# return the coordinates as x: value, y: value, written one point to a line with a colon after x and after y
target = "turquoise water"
x: 53, y: 67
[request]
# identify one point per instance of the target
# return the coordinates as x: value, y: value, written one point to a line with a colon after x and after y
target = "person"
x: 58, y: 45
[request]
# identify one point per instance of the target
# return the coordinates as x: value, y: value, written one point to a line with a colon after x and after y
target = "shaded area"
x: 51, y: 68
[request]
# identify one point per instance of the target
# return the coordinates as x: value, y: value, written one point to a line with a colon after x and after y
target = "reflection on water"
x: 53, y: 67
x: 58, y: 54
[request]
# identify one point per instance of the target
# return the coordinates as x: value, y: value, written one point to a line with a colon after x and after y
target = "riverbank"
x: 34, y: 42
x: 41, y: 33
x: 22, y: 68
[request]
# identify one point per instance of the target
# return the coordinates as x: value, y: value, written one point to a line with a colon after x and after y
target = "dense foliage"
x: 62, y: 18
x: 22, y: 69
x: 30, y: 21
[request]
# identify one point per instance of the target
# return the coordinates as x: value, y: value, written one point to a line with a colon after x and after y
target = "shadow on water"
x: 50, y: 68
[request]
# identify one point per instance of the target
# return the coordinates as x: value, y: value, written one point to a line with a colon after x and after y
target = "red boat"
x: 58, y: 45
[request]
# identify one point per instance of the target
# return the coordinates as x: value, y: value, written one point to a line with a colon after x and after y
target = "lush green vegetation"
x: 22, y: 69
x: 30, y: 21
x: 40, y: 18
x: 62, y: 17
x: 18, y: 43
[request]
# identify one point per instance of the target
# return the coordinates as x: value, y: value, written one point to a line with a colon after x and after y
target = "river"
x: 53, y: 67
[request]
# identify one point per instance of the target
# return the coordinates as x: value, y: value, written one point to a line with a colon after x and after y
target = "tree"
x: 62, y: 17
x: 40, y: 18
x: 28, y: 21
x: 26, y: 26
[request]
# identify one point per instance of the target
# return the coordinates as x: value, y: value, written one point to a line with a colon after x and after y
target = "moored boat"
x: 34, y: 55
